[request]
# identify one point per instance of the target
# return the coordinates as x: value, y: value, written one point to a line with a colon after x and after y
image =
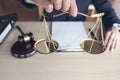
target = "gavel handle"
x: 20, y: 30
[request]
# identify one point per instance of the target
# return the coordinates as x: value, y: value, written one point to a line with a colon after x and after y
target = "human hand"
x: 63, y: 5
x: 111, y: 39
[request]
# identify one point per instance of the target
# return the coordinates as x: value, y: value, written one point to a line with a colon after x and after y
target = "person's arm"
x: 110, y: 16
x: 28, y: 3
x: 110, y: 20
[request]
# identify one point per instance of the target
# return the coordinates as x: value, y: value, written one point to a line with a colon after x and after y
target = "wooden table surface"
x: 56, y: 66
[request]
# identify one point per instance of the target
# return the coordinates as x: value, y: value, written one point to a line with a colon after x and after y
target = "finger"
x: 73, y: 8
x: 110, y: 41
x: 66, y: 5
x: 48, y: 6
x: 116, y: 44
x: 113, y: 45
x: 57, y: 4
x: 107, y: 36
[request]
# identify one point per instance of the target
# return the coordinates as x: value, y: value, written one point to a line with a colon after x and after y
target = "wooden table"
x: 56, y: 66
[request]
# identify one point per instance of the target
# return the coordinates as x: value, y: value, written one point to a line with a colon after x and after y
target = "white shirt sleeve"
x: 29, y: 1
x: 116, y: 25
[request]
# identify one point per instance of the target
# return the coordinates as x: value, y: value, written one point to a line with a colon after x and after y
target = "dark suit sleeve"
x: 28, y: 5
x: 110, y: 16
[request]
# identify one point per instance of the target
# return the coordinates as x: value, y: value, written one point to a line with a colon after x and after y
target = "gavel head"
x: 26, y: 38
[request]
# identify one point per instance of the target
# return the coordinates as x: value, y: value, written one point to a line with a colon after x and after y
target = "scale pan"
x: 97, y: 48
x: 46, y: 46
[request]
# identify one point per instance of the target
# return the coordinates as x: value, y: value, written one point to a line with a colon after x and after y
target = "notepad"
x: 69, y: 35
x: 4, y: 30
x: 6, y: 24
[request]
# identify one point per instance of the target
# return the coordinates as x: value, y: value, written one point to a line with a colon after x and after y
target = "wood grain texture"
x: 56, y: 66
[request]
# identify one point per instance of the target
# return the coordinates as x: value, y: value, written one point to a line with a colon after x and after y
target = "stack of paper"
x: 69, y: 35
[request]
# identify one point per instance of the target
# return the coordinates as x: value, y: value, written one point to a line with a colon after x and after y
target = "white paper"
x: 69, y: 35
x: 5, y: 32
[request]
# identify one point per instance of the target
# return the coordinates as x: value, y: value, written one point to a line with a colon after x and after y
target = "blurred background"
x: 27, y: 14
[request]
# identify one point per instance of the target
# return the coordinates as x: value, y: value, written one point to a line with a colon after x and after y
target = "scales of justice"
x: 91, y: 45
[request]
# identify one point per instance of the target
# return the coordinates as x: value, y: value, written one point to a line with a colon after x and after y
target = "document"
x: 4, y: 30
x: 69, y: 35
x: 6, y: 25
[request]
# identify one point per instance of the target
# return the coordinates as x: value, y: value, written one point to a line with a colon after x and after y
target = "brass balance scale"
x: 90, y: 45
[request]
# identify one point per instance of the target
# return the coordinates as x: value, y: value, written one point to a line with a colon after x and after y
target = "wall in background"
x: 116, y: 6
x: 14, y: 6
